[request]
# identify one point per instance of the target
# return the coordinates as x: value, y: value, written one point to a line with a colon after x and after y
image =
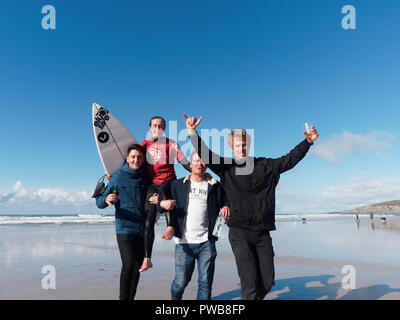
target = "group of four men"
x: 245, y: 198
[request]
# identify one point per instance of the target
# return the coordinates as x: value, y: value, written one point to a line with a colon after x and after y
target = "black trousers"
x: 254, y: 256
x: 164, y: 192
x: 132, y: 255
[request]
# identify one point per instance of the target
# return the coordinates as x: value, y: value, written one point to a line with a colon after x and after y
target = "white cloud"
x: 355, y: 192
x: 333, y: 149
x: 58, y: 196
x: 20, y: 197
x: 17, y: 192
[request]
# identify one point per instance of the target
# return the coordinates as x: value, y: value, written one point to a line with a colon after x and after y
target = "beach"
x: 312, y: 260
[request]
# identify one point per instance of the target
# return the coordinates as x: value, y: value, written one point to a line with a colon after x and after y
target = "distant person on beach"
x: 250, y: 185
x: 161, y: 155
x: 127, y: 190
x: 197, y: 200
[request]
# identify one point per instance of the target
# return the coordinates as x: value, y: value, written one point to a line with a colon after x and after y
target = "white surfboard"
x: 112, y: 139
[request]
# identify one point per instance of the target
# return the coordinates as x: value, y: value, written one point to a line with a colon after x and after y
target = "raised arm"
x: 289, y: 160
x: 212, y: 160
x: 186, y: 164
x: 180, y: 157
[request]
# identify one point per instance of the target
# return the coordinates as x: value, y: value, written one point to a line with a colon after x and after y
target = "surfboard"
x: 112, y: 139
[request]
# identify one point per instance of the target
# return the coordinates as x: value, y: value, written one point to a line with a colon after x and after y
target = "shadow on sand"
x: 314, y: 288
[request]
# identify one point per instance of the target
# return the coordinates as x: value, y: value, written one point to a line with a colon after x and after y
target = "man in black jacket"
x: 250, y: 185
x: 197, y: 200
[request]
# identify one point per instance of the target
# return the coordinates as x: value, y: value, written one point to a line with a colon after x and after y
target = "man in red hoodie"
x: 161, y: 155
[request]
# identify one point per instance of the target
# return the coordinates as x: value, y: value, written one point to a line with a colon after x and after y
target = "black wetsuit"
x: 164, y: 191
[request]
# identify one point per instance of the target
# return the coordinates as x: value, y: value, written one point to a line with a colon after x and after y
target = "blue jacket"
x: 216, y: 199
x: 132, y: 188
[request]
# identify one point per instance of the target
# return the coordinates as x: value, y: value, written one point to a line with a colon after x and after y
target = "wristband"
x: 192, y: 132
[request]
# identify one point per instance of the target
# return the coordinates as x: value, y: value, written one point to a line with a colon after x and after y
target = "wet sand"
x: 309, y: 258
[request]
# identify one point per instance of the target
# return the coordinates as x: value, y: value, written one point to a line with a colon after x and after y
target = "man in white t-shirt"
x: 197, y: 200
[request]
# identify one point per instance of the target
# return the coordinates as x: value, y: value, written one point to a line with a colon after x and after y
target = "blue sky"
x: 263, y: 65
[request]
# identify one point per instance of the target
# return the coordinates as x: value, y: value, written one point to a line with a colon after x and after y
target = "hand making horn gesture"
x: 192, y: 122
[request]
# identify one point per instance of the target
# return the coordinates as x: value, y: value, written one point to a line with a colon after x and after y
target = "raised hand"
x: 192, y: 122
x: 312, y: 135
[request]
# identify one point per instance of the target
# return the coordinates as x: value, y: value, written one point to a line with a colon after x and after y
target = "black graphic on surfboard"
x: 112, y: 138
x: 101, y: 118
x: 103, y: 137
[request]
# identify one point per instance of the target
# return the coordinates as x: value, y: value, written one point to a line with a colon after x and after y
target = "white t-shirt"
x: 195, y: 225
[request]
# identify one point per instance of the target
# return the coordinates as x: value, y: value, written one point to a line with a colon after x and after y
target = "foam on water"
x: 102, y: 219
x: 53, y: 219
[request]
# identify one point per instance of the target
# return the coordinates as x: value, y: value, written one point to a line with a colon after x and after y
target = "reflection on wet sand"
x: 88, y: 264
x: 376, y: 222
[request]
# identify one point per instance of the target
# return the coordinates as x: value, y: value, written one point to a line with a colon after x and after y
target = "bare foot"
x: 168, y: 234
x: 146, y: 265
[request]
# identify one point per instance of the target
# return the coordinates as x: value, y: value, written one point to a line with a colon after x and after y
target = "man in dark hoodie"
x: 127, y: 191
x: 250, y: 186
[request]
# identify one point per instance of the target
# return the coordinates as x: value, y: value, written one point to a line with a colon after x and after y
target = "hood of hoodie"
x: 139, y: 174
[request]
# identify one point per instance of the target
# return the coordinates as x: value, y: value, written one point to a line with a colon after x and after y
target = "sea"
x: 58, y: 219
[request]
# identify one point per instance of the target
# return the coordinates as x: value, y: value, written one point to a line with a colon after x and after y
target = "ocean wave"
x: 321, y: 216
x: 58, y: 220
x: 104, y: 219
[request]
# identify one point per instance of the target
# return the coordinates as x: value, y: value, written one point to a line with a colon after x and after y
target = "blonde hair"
x: 238, y: 133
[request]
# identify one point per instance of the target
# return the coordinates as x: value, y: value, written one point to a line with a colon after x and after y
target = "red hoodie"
x: 161, y: 155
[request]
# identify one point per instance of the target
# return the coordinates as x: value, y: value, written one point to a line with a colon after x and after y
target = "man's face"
x: 135, y: 159
x: 157, y: 128
x: 198, y: 167
x: 239, y: 148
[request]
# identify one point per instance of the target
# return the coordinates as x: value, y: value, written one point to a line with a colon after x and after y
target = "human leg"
x: 131, y: 251
x: 246, y: 260
x: 265, y: 253
x: 151, y: 213
x: 165, y: 194
x: 206, y: 256
x: 184, y: 266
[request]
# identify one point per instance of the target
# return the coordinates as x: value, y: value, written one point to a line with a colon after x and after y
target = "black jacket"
x: 216, y: 199
x: 250, y: 192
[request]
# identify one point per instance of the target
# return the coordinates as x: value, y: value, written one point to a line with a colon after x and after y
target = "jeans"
x: 254, y: 257
x: 185, y: 258
x: 132, y: 255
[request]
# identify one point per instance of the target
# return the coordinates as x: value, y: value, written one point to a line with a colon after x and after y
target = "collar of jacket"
x: 138, y: 172
x: 210, y: 180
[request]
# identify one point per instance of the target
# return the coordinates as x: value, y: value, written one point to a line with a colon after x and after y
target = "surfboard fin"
x: 100, y: 188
